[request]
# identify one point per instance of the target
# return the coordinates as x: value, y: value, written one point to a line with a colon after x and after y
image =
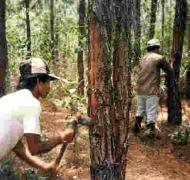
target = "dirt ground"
x: 156, y: 159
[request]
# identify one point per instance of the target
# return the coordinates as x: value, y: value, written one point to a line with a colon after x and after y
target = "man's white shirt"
x: 19, y: 114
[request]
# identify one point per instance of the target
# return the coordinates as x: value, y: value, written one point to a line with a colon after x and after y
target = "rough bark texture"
x: 80, y: 60
x: 153, y: 18
x: 52, y: 30
x: 101, y: 141
x: 178, y: 34
x: 187, y: 84
x: 28, y: 33
x: 174, y: 104
x: 137, y: 30
x: 108, y: 91
x: 3, y: 48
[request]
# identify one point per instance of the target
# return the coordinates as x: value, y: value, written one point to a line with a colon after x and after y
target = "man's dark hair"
x: 30, y: 83
x: 152, y: 48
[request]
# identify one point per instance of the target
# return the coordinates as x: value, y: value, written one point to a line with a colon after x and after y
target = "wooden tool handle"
x: 62, y: 150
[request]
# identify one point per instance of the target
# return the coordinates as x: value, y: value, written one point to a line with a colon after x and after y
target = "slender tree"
x: 3, y: 48
x: 80, y: 59
x: 174, y: 104
x: 52, y: 30
x: 163, y: 22
x: 137, y: 30
x: 28, y: 32
x: 154, y: 4
x: 109, y: 86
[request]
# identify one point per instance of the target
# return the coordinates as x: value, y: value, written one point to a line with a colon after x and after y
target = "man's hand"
x: 84, y: 120
x: 67, y: 135
x: 80, y: 120
x: 52, y: 168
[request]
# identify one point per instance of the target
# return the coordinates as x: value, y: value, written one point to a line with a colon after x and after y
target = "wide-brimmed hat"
x: 35, y: 67
x: 153, y: 43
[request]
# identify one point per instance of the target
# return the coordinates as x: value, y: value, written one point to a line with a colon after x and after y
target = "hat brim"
x: 158, y: 46
x: 52, y: 77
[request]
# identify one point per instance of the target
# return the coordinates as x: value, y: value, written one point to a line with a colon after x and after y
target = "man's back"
x: 149, y: 74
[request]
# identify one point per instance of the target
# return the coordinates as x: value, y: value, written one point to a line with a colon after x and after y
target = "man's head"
x: 35, y: 76
x: 153, y: 44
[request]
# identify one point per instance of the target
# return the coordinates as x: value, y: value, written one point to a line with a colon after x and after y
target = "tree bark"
x: 80, y: 59
x: 109, y: 87
x: 187, y: 84
x: 174, y: 104
x: 28, y: 32
x: 153, y: 18
x: 3, y: 48
x: 178, y: 35
x: 99, y: 108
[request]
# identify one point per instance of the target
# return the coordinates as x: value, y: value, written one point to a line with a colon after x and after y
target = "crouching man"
x: 20, y: 117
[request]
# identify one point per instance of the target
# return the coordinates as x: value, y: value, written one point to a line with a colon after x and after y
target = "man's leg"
x: 151, y: 109
x: 137, y: 125
x: 141, y: 107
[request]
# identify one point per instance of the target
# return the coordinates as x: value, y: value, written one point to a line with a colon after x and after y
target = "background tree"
x: 109, y: 91
x: 28, y: 33
x: 52, y: 30
x: 163, y: 24
x: 3, y: 48
x: 137, y: 30
x: 154, y: 4
x: 80, y: 59
x: 174, y: 104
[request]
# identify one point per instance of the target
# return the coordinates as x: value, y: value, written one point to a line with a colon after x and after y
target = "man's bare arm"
x: 37, y: 146
x: 165, y: 66
x: 23, y: 152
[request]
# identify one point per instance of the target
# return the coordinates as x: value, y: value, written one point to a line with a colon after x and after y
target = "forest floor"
x: 148, y: 159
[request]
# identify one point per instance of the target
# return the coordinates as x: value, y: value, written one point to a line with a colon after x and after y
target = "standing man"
x: 20, y: 117
x: 148, y: 86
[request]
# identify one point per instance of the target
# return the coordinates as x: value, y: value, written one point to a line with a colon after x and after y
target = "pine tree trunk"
x: 137, y: 31
x: 109, y: 87
x: 174, y: 104
x: 153, y: 18
x: 52, y: 30
x: 28, y: 33
x: 102, y: 138
x: 80, y: 60
x: 187, y: 84
x: 178, y: 34
x: 3, y: 48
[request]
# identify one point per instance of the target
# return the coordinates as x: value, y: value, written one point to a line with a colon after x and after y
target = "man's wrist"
x: 59, y: 139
